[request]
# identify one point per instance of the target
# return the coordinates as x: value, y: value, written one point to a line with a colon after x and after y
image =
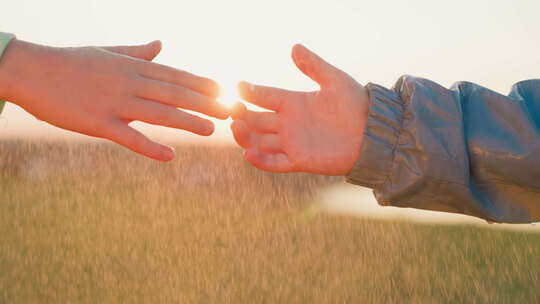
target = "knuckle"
x: 166, y: 115
x: 265, y: 119
x: 264, y: 144
x: 139, y: 85
x: 169, y: 92
x: 174, y: 94
x: 175, y: 74
x: 126, y: 83
x: 116, y: 84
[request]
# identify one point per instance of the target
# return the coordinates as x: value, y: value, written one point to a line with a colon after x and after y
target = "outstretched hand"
x: 317, y: 132
x: 98, y: 91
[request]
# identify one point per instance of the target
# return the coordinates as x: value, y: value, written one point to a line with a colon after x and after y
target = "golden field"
x: 95, y: 223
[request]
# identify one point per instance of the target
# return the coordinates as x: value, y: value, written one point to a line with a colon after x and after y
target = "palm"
x: 315, y: 132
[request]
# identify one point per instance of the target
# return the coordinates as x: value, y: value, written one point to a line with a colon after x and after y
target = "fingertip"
x: 221, y: 91
x: 222, y: 112
x: 203, y: 128
x: 298, y: 51
x: 167, y: 154
x: 279, y: 163
x: 213, y: 89
x: 256, y: 158
x: 244, y: 89
x: 233, y: 127
x: 243, y: 84
x: 155, y: 47
x: 156, y: 43
x: 134, y: 140
x: 208, y: 129
x: 297, y: 47
x: 240, y: 133
x: 238, y: 110
x: 298, y: 57
x: 313, y: 66
x: 252, y: 156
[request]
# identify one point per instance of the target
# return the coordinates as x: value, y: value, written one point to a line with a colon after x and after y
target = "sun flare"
x: 229, y: 93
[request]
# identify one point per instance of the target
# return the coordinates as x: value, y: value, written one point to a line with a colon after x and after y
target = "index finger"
x: 267, y: 97
x: 165, y: 73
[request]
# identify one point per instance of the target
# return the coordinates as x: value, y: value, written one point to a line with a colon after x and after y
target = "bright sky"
x: 493, y: 43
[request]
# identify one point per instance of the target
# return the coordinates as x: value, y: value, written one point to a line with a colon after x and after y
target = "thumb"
x: 314, y: 66
x: 146, y: 51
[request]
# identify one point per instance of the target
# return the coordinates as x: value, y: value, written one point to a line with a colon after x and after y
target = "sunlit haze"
x: 228, y: 92
x: 493, y: 43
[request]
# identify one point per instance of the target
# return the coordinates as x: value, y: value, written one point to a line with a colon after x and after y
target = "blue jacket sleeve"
x: 465, y: 150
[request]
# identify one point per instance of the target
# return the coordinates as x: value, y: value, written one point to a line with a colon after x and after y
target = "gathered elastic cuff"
x: 380, y: 138
x: 5, y: 39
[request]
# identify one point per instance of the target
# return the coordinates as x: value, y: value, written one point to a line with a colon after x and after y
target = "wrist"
x: 20, y: 61
x: 5, y: 40
x: 7, y: 63
x: 381, y: 133
x: 362, y: 112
